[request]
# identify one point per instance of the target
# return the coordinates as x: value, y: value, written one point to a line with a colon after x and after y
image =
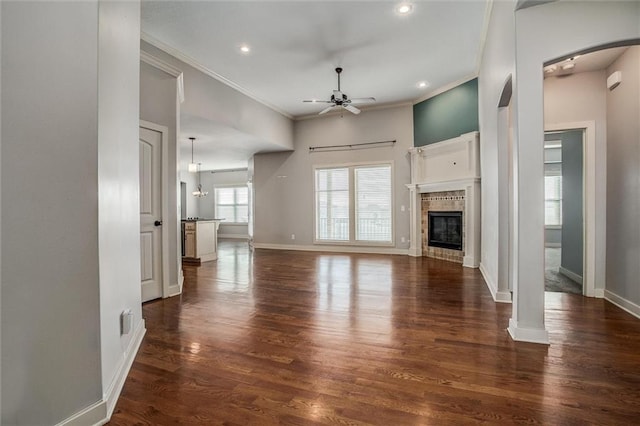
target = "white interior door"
x: 150, y: 213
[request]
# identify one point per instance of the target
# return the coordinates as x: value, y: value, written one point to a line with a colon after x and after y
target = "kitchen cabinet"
x: 201, y: 240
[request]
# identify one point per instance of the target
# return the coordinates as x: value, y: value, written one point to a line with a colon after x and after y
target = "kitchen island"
x: 200, y: 240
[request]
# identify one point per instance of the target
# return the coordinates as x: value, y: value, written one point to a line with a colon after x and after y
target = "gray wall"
x: 623, y: 179
x: 71, y: 248
x: 51, y: 301
x: 207, y: 206
x: 572, y: 202
x: 284, y: 205
x: 447, y: 115
x: 158, y: 104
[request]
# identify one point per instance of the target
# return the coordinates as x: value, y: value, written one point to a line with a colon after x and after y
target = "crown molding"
x: 203, y: 69
x: 483, y: 37
x: 446, y: 87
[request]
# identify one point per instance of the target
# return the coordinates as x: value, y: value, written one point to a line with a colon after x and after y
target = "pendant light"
x: 199, y: 192
x: 193, y: 167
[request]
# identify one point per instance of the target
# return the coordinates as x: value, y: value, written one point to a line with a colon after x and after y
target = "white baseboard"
x: 113, y: 392
x: 531, y: 335
x: 570, y: 274
x: 470, y: 262
x: 333, y: 249
x: 622, y: 303
x: 95, y: 415
x: 498, y: 296
x: 598, y: 293
x: 99, y: 413
x: 176, y: 289
x: 234, y: 236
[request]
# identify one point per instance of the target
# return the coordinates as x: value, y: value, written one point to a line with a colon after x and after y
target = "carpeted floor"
x: 553, y: 280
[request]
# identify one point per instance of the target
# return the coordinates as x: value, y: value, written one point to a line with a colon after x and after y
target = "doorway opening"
x: 563, y: 219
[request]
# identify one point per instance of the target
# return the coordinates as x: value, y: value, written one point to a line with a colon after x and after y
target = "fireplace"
x: 445, y: 229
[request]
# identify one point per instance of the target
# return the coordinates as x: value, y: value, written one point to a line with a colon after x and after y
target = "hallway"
x: 316, y: 338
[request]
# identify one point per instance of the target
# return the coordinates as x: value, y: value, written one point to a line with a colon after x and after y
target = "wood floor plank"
x: 305, y: 338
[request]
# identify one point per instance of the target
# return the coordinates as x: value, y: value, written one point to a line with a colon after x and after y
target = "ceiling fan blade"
x: 315, y: 101
x: 326, y: 110
x: 351, y: 108
x: 362, y: 100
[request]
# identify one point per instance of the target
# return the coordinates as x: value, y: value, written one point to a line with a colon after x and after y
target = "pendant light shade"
x: 193, y: 167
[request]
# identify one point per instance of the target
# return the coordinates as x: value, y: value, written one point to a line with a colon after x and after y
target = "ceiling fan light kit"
x: 341, y: 100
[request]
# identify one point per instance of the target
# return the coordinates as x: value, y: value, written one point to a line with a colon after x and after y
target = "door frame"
x: 590, y: 258
x: 164, y: 183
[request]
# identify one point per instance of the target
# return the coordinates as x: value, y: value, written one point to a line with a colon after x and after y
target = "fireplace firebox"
x: 445, y: 229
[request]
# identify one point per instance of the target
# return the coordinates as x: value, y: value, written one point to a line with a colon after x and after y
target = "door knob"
x: 157, y: 223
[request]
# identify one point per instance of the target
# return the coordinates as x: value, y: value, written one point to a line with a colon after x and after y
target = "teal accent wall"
x: 447, y: 115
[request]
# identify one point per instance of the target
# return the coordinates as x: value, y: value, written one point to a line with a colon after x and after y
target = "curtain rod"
x: 349, y: 146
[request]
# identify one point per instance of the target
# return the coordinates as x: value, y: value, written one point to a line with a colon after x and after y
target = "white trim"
x: 203, y: 69
x: 164, y: 131
x: 498, y: 296
x: 599, y: 293
x: 100, y: 412
x: 176, y: 289
x: 159, y: 64
x: 591, y: 222
x: 622, y: 303
x: 570, y: 274
x: 552, y: 245
x: 114, y: 389
x: 483, y: 37
x: 440, y: 90
x: 332, y: 249
x: 95, y: 415
x: 168, y: 68
x: 531, y: 335
x: 234, y: 236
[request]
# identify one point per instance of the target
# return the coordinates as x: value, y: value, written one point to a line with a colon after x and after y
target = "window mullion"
x: 352, y: 205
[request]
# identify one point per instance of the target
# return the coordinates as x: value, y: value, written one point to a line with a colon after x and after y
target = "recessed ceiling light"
x: 404, y: 8
x: 423, y: 85
x: 245, y: 49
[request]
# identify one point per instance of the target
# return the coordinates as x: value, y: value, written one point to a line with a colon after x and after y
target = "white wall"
x: 211, y: 180
x: 623, y: 182
x: 497, y: 66
x: 118, y: 182
x: 51, y: 331
x: 208, y: 98
x: 579, y: 98
x: 284, y: 205
x: 159, y: 105
x: 544, y: 33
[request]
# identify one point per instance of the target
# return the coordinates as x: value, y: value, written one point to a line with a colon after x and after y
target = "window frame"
x: 215, y: 202
x: 352, y: 204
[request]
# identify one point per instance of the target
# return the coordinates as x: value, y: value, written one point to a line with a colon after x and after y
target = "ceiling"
x: 296, y: 45
x: 594, y: 61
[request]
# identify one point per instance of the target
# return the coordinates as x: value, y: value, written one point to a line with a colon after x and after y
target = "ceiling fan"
x: 339, y: 99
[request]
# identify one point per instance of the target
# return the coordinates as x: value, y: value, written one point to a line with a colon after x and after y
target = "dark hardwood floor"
x: 313, y: 338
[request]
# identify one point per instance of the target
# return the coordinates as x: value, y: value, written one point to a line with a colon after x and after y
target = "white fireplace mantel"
x: 451, y: 165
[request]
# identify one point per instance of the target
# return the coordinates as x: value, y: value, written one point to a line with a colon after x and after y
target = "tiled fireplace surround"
x: 445, y: 176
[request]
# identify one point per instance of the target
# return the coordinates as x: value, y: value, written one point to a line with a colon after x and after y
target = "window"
x: 232, y: 204
x: 354, y: 204
x: 553, y: 200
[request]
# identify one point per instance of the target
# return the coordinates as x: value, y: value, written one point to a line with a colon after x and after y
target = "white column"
x: 415, y: 217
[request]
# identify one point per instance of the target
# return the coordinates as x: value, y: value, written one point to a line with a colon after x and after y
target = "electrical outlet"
x: 402, y: 240
x: 402, y: 208
x: 293, y: 236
